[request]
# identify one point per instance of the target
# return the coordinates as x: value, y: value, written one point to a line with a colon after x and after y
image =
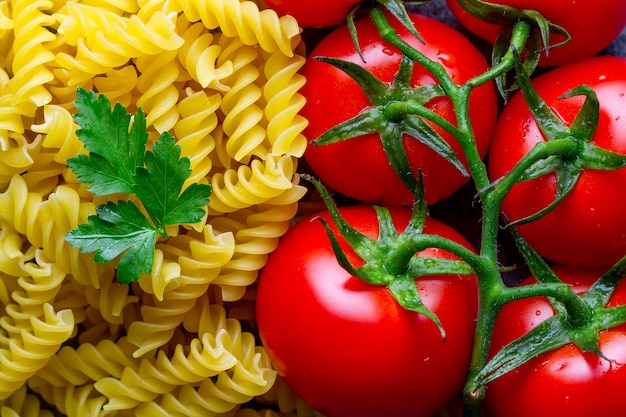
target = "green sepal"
x: 418, y: 128
x: 393, y: 113
x: 352, y: 29
x: 567, y: 176
x: 600, y: 292
x: 578, y: 319
x: 550, y: 335
x: 506, y: 16
x: 567, y: 166
x: 390, y: 260
x: 547, y: 336
x: 406, y: 294
x: 582, y: 317
x: 504, y: 82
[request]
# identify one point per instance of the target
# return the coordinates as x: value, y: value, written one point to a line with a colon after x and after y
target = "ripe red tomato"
x: 358, y: 167
x: 347, y: 347
x: 591, y: 26
x: 588, y: 227
x: 314, y: 13
x: 566, y: 381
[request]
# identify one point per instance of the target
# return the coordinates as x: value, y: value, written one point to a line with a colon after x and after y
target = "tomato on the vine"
x: 588, y: 226
x: 592, y: 26
x: 358, y: 167
x: 347, y: 347
x: 565, y: 381
x: 314, y: 13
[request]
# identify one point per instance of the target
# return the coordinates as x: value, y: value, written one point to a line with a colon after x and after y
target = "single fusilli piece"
x: 32, y: 61
x: 194, y: 130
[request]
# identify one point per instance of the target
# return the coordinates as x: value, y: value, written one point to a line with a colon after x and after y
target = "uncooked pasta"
x: 222, y: 77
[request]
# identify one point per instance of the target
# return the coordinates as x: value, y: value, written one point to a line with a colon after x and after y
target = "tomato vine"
x: 566, y: 152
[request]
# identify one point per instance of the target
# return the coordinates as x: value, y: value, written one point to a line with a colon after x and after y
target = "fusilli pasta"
x: 222, y: 77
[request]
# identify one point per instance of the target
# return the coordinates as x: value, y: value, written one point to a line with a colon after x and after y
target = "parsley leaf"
x: 116, y: 229
x: 159, y: 186
x: 115, y: 151
x: 118, y: 162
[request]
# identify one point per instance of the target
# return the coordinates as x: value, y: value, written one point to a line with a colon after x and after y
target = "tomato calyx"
x: 390, y: 259
x: 567, y: 151
x: 507, y: 17
x: 578, y: 320
x: 396, y: 109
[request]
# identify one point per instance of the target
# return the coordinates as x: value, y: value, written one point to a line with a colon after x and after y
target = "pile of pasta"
x: 222, y: 77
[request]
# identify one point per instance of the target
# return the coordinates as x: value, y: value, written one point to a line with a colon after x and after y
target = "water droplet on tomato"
x: 602, y: 77
x: 538, y: 313
x: 430, y: 262
x: 388, y: 51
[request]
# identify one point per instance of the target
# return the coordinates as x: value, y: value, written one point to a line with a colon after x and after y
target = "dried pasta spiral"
x: 222, y: 77
x: 23, y: 404
x: 242, y: 19
x: 31, y: 58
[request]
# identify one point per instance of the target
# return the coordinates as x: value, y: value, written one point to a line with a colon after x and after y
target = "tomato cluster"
x: 346, y: 346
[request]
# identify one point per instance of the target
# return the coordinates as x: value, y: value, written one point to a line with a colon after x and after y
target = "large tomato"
x: 566, y: 381
x: 588, y: 227
x: 592, y: 26
x: 314, y: 13
x: 358, y: 167
x: 347, y: 347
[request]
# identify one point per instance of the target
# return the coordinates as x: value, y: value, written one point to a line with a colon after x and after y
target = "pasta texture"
x: 222, y: 76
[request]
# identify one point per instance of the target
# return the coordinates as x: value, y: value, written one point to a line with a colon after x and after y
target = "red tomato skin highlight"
x: 358, y: 167
x: 347, y: 347
x: 588, y: 227
x: 592, y: 26
x: 566, y: 381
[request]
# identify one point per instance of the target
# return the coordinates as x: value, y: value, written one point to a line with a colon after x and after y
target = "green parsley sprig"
x: 119, y: 163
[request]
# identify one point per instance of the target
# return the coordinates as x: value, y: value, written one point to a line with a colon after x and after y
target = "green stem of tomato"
x: 519, y: 37
x: 493, y: 293
x: 499, y: 189
x: 398, y: 260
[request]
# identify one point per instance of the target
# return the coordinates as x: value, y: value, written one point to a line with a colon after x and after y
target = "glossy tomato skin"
x: 588, y: 227
x: 358, y: 167
x: 566, y: 381
x: 345, y: 346
x: 591, y: 26
x: 314, y: 13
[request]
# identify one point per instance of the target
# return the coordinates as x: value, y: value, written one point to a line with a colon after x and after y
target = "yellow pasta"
x: 242, y: 19
x: 222, y: 77
x: 23, y: 404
